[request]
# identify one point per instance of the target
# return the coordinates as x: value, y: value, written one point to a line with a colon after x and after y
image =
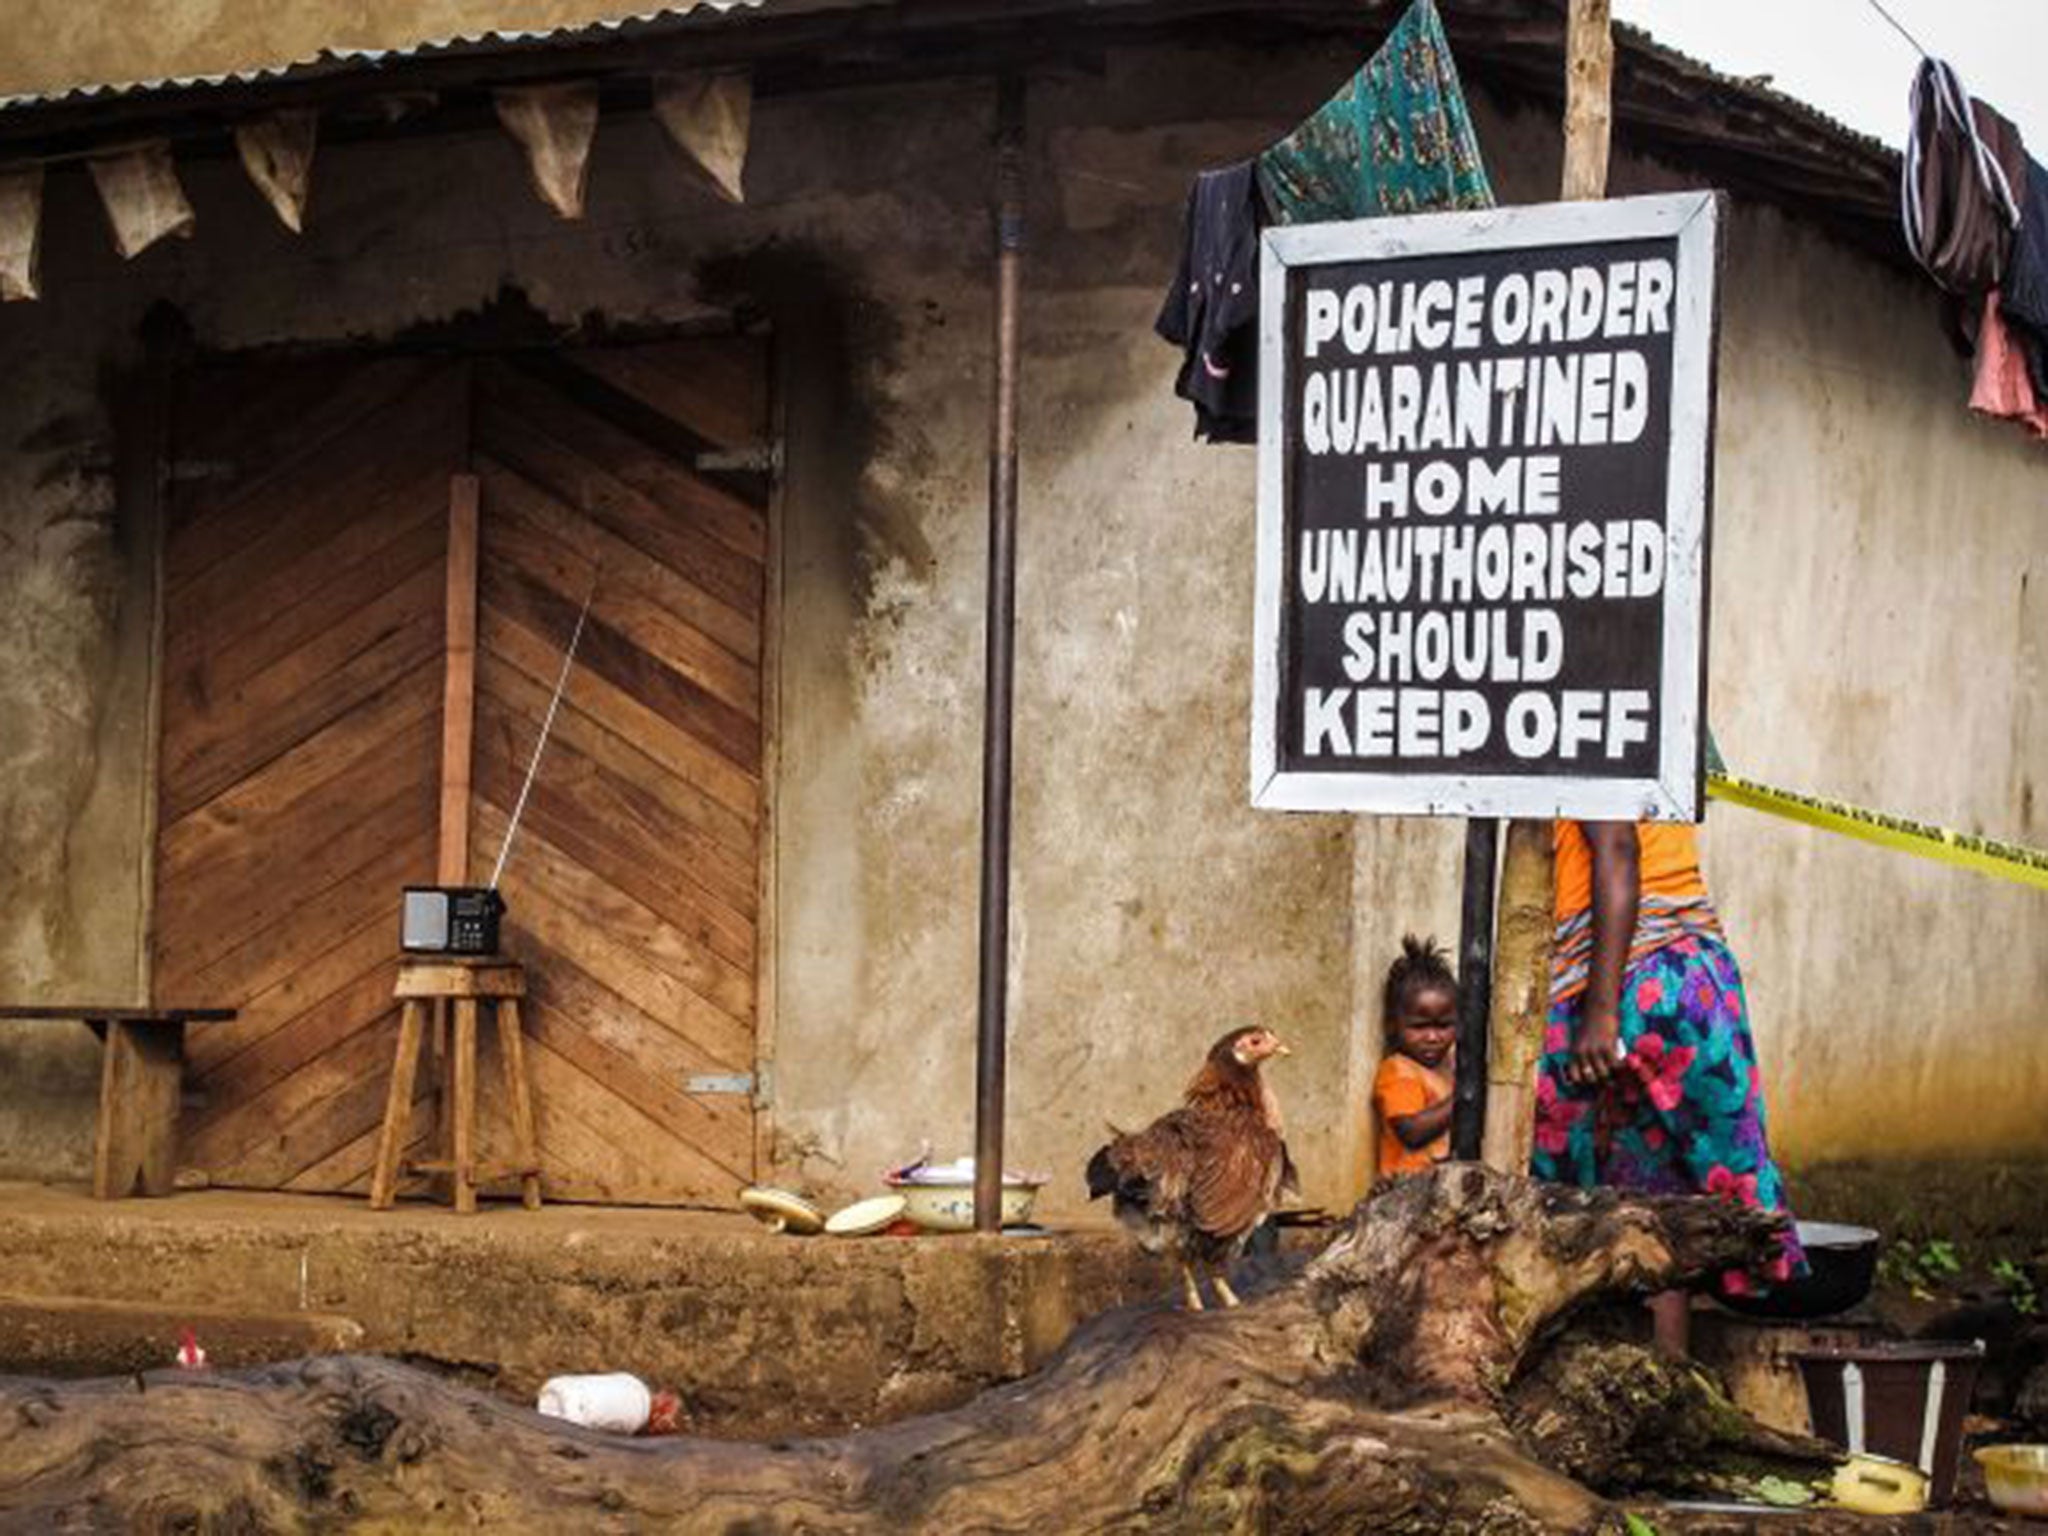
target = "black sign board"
x: 1484, y: 483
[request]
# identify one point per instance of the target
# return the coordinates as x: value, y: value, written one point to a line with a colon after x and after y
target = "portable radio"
x: 450, y: 920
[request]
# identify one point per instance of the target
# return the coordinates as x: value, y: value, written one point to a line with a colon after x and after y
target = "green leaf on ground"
x: 1783, y: 1492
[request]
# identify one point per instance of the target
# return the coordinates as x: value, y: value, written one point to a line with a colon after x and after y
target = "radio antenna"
x: 546, y: 725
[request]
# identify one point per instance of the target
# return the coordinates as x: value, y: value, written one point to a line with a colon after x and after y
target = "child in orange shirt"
x: 1412, y: 1092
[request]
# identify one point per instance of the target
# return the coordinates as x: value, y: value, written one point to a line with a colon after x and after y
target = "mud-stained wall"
x: 1152, y: 908
x: 74, y: 652
x: 50, y: 45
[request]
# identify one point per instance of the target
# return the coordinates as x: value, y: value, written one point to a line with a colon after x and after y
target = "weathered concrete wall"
x: 49, y: 45
x: 1152, y: 909
x: 75, y: 623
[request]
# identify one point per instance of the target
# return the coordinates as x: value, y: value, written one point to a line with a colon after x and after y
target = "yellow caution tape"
x: 1985, y: 855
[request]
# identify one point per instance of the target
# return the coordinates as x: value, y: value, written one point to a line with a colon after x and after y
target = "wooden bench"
x: 142, y: 1062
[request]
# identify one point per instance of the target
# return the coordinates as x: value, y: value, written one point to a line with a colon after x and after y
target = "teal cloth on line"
x: 1396, y: 139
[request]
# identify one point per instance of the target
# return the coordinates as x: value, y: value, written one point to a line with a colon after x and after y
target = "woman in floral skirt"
x: 1649, y: 1078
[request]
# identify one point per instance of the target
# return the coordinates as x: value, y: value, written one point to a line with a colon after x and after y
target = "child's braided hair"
x: 1423, y: 965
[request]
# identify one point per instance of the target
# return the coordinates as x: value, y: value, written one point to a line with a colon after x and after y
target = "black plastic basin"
x: 1841, y: 1262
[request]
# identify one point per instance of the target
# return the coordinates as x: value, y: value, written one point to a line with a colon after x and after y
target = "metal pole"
x: 991, y: 1037
x: 1475, y: 988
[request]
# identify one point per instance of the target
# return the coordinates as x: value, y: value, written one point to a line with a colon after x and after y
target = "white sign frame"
x: 1692, y: 218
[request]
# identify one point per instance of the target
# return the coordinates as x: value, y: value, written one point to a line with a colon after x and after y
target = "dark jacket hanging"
x: 1212, y: 309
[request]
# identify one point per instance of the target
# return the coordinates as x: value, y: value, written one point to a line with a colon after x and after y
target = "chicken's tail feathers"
x: 1102, y: 1174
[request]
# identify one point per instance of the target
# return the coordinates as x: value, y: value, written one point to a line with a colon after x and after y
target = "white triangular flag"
x: 139, y: 189
x: 21, y: 227
x: 708, y: 118
x: 277, y: 152
x: 555, y: 124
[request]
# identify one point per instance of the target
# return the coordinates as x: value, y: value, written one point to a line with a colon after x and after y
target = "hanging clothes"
x: 1959, y: 183
x: 1396, y: 139
x: 2023, y: 297
x: 2002, y: 387
x: 1212, y: 309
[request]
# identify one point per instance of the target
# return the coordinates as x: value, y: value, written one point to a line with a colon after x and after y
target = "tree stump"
x: 1364, y: 1394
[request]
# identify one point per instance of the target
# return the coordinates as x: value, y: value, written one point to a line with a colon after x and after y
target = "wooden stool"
x: 454, y: 985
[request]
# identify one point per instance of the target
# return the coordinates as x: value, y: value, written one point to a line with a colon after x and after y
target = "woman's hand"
x: 1596, y: 1049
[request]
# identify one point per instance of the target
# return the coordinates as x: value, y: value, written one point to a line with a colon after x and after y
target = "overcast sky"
x: 1841, y: 56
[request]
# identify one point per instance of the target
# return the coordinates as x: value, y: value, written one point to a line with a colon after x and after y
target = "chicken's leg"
x: 1190, y: 1292
x: 1224, y: 1293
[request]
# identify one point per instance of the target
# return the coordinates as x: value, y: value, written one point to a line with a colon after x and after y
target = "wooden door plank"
x: 332, y: 1099
x: 545, y: 870
x: 701, y: 827
x: 612, y: 825
x: 214, y: 747
x: 346, y: 1170
x: 605, y: 653
x: 521, y: 534
x: 458, y: 695
x: 569, y: 813
x: 323, y: 823
x: 203, y: 719
x: 618, y: 711
x: 618, y: 964
x: 217, y: 518
x: 686, y: 522
x: 594, y: 1146
x: 369, y: 895
x: 714, y: 388
x: 258, y: 804
x: 732, y: 629
x: 715, y: 1146
x: 559, y: 981
x: 229, y: 1085
x: 268, y: 613
x: 239, y: 896
x: 260, y: 412
x: 319, y: 977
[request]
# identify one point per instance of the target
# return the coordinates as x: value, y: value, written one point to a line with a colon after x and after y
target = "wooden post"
x: 1588, y: 101
x: 458, y: 694
x: 1521, y: 967
x: 1475, y: 967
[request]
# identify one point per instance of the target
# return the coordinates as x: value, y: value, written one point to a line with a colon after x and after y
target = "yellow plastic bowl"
x: 2016, y: 1477
x: 1878, y: 1485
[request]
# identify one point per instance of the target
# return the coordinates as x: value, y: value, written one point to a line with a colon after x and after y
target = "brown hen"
x: 1197, y: 1181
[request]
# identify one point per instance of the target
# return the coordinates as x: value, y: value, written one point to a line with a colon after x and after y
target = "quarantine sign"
x: 1484, y: 474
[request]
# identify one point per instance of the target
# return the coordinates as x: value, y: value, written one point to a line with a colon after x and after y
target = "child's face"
x: 1427, y: 1026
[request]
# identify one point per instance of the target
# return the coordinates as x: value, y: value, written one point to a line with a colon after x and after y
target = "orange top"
x: 1402, y: 1087
x: 1670, y: 864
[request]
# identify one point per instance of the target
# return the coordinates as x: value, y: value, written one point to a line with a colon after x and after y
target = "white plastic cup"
x: 618, y: 1402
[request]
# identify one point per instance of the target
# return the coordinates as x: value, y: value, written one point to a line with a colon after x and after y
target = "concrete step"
x: 87, y: 1336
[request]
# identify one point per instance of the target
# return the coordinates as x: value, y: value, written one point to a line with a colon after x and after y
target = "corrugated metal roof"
x: 1737, y: 130
x: 347, y: 60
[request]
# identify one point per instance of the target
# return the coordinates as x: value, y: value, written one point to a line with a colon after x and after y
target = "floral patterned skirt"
x: 1684, y: 1113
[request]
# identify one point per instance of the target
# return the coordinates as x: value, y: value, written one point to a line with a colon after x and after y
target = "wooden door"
x: 633, y: 884
x: 304, y: 587
x: 303, y: 594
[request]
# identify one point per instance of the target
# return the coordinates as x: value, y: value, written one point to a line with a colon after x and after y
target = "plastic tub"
x: 950, y: 1207
x: 2016, y: 1477
x: 1905, y: 1401
x: 1841, y: 1262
